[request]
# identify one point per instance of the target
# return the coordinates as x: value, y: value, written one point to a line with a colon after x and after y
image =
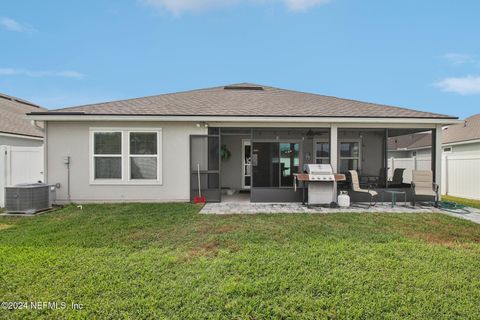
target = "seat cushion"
x: 372, y: 192
x: 424, y: 192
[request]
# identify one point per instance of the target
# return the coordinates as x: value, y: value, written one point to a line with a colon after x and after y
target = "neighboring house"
x: 410, y: 145
x: 463, y: 138
x: 21, y: 143
x: 461, y: 159
x: 15, y: 128
x: 461, y: 156
x: 243, y: 137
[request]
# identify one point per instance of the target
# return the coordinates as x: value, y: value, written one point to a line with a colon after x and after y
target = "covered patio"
x: 257, y: 164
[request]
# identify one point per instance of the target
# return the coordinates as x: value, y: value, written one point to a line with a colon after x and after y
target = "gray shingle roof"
x: 410, y: 141
x: 12, y: 116
x: 469, y: 130
x: 247, y: 99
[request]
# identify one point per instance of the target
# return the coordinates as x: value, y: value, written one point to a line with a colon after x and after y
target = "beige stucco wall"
x: 72, y: 139
x: 231, y: 173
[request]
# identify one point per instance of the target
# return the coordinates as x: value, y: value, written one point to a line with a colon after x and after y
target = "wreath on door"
x: 224, y: 152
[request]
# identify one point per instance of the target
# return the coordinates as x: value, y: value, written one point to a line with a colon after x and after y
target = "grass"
x: 140, y: 261
x: 468, y: 202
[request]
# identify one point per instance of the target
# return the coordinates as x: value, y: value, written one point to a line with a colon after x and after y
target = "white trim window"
x: 143, y: 159
x: 349, y: 155
x: 321, y: 149
x: 107, y: 155
x: 125, y: 156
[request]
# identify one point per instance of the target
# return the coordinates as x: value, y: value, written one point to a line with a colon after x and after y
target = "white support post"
x: 334, y: 147
x: 3, y: 174
x: 445, y: 184
x: 334, y: 156
x: 438, y: 157
x: 393, y: 167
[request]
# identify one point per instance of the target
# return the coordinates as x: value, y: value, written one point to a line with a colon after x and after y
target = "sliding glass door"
x: 289, y: 163
x: 274, y: 164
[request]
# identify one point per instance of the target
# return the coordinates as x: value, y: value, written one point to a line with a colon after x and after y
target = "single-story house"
x: 246, y: 140
x: 15, y: 128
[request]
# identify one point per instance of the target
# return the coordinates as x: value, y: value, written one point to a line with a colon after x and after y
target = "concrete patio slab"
x: 252, y: 208
x: 259, y: 208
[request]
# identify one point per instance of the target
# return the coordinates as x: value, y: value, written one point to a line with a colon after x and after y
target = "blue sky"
x: 418, y: 54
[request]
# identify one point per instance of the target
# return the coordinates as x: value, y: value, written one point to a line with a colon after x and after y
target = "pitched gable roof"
x: 12, y: 116
x: 469, y: 130
x: 246, y: 99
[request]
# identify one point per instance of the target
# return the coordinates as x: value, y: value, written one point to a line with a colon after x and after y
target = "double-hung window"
x: 107, y: 155
x: 322, y: 151
x: 143, y: 155
x: 349, y: 155
x: 125, y: 156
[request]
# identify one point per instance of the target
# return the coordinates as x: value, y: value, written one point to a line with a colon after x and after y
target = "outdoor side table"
x: 394, y: 194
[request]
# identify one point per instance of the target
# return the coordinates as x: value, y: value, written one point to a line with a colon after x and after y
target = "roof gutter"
x: 233, y: 119
x: 461, y: 142
x: 18, y: 135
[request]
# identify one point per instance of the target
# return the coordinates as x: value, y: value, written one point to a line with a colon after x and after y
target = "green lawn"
x: 467, y: 202
x: 142, y: 261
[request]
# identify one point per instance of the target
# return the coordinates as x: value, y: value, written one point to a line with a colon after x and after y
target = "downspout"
x: 35, y: 124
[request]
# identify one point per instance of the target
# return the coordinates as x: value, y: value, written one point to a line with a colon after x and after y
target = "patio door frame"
x: 246, y: 142
x: 283, y: 193
x: 215, y: 194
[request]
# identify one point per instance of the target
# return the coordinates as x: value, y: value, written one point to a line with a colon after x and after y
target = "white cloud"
x: 463, y: 85
x: 12, y: 25
x: 303, y: 5
x: 177, y: 7
x: 38, y: 74
x: 459, y: 58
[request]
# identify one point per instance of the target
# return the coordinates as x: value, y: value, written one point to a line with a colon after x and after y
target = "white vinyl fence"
x: 409, y: 164
x: 19, y: 165
x: 461, y: 176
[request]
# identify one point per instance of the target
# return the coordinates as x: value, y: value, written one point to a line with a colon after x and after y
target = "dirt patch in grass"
x: 208, y: 249
x: 5, y: 226
x: 207, y: 229
x: 440, y: 239
x: 448, y: 235
x: 137, y: 235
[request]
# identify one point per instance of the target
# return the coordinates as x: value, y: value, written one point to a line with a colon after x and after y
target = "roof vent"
x: 242, y: 87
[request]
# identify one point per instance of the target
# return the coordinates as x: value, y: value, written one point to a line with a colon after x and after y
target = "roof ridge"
x: 15, y: 99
